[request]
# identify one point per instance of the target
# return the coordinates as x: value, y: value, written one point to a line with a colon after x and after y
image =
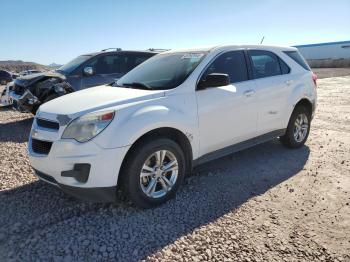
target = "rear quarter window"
x: 295, y: 55
x: 284, y: 67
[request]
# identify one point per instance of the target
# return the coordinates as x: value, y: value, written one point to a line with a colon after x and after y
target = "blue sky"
x: 47, y: 31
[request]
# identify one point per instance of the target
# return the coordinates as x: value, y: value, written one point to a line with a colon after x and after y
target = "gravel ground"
x: 331, y: 72
x: 267, y: 203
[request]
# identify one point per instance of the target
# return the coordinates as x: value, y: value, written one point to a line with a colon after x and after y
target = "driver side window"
x: 231, y: 63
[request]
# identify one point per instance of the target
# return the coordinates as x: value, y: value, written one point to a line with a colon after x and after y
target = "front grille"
x: 47, y: 124
x: 19, y: 90
x: 41, y: 147
x: 45, y: 177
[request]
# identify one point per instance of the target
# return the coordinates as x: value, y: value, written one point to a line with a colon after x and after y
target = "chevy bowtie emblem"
x: 35, y: 133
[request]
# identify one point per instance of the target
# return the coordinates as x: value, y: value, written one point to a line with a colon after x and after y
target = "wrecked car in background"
x: 29, y: 72
x: 28, y: 92
x: 5, y: 77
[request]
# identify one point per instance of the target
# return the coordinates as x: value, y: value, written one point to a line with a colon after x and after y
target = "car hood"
x: 30, y: 79
x: 95, y: 98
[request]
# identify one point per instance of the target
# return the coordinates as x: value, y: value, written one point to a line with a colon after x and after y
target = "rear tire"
x: 153, y: 172
x: 298, y: 128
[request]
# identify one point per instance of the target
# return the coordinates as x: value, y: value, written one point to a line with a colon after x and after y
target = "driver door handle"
x: 249, y: 93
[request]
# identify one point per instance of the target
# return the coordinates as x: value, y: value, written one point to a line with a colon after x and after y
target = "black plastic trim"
x: 45, y: 177
x: 47, y: 123
x: 238, y: 147
x: 80, y: 172
x: 91, y: 194
x: 40, y: 146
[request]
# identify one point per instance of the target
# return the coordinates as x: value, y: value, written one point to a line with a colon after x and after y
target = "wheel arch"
x: 165, y: 132
x: 306, y: 103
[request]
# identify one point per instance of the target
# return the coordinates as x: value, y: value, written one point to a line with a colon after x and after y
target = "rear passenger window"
x: 108, y: 64
x: 264, y: 63
x: 117, y: 63
x: 231, y: 63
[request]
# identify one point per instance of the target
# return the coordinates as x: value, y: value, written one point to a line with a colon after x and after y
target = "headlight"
x: 86, y: 127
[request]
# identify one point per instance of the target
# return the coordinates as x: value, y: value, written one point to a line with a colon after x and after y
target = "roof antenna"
x: 262, y: 40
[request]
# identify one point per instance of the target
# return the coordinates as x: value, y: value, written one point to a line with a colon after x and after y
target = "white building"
x: 332, y: 50
x: 333, y: 54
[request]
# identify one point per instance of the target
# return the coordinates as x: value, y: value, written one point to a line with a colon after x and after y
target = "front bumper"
x: 23, y: 102
x: 96, y: 194
x: 60, y: 166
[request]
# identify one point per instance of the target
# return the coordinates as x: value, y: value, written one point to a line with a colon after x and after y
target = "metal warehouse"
x: 332, y: 54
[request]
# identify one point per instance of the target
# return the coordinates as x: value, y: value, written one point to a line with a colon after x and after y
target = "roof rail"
x: 112, y: 48
x: 158, y: 49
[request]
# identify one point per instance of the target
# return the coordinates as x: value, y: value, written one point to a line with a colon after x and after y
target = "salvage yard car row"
x: 30, y: 91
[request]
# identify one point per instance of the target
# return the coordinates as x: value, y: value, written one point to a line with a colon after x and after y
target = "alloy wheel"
x: 159, y: 174
x: 301, y: 127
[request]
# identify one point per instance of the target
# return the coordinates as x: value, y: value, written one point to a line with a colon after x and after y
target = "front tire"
x: 298, y: 128
x: 153, y: 172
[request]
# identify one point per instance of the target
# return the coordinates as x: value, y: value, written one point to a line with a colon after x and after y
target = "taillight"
x: 314, y: 78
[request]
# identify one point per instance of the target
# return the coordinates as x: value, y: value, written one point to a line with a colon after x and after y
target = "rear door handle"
x: 249, y: 93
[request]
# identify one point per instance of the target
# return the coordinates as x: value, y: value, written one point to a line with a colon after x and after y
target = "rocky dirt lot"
x: 267, y: 203
x: 331, y: 72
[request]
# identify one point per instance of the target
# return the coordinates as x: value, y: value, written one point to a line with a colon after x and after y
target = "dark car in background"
x: 5, y: 77
x: 30, y: 91
x: 29, y: 72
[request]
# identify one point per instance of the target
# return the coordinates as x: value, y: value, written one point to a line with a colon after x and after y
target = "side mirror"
x: 214, y: 80
x: 88, y: 71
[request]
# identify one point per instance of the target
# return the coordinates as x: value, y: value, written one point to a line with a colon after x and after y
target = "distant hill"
x: 54, y: 65
x: 19, y: 65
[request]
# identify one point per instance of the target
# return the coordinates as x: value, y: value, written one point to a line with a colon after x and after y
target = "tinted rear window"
x: 120, y: 63
x: 264, y: 63
x: 298, y: 58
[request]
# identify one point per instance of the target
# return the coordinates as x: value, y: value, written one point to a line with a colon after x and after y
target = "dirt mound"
x: 18, y: 66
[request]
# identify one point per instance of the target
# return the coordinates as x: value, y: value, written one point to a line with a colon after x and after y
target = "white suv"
x: 176, y: 110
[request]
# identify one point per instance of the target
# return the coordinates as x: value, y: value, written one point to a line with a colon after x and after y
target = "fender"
x: 130, y: 125
x: 301, y: 91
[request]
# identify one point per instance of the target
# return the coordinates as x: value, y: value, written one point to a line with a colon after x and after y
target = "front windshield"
x: 163, y: 71
x: 70, y: 66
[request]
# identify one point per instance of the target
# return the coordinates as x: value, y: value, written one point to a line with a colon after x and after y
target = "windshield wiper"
x: 136, y: 85
x: 114, y: 83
